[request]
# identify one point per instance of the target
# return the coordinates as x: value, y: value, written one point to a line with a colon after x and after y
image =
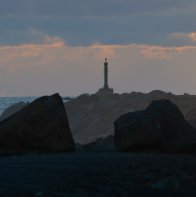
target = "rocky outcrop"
x: 12, y: 110
x: 161, y: 127
x: 41, y: 126
x: 91, y: 116
x: 101, y: 144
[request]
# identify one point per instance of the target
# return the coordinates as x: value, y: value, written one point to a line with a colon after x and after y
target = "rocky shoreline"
x: 92, y: 117
x: 39, y: 156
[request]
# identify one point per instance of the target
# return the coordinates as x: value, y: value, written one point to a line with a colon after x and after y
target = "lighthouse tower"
x: 105, y: 90
x: 105, y: 74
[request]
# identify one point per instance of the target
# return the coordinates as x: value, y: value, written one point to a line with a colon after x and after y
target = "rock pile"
x: 91, y: 117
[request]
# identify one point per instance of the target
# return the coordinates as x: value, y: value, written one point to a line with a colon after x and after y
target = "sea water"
x: 6, y: 102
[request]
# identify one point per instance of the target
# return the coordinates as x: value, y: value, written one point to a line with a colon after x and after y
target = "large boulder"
x: 161, y: 127
x: 41, y: 126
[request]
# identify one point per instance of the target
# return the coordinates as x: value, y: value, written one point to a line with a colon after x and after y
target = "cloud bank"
x: 49, y: 46
x: 82, y: 23
x: 53, y: 66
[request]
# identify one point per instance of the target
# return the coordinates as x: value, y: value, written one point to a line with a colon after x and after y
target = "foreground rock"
x: 41, y: 126
x: 161, y: 127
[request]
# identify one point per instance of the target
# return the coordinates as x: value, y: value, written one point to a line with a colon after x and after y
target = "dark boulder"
x: 41, y: 126
x: 160, y: 127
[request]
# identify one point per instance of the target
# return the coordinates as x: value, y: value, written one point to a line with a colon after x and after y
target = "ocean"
x: 5, y: 102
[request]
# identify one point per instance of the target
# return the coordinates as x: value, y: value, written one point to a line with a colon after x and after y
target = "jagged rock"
x: 12, y: 110
x: 161, y: 127
x: 41, y: 126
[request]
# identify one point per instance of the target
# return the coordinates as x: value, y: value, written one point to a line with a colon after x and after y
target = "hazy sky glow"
x: 49, y: 46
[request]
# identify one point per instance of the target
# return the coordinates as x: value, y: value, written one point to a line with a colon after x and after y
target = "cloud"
x: 86, y: 8
x: 51, y: 46
x: 191, y: 36
x: 99, y: 21
x: 54, y: 49
x: 54, y: 66
x: 164, y: 53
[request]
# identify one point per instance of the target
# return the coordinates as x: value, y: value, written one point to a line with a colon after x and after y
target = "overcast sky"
x: 49, y: 46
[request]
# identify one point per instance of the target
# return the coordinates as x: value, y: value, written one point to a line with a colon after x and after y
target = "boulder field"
x: 91, y: 117
x: 161, y: 126
x: 41, y: 126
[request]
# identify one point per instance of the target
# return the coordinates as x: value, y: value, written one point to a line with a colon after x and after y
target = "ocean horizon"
x: 6, y: 102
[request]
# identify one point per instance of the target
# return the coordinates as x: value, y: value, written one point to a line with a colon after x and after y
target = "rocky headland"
x: 92, y: 116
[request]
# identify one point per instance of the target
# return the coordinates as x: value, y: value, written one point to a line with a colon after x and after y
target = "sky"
x: 49, y: 46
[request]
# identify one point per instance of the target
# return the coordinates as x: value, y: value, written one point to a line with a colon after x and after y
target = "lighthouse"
x: 106, y: 74
x: 105, y: 90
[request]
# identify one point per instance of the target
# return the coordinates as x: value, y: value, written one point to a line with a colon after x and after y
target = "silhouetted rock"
x: 91, y: 116
x: 12, y: 110
x: 41, y: 126
x: 101, y: 144
x: 161, y: 127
